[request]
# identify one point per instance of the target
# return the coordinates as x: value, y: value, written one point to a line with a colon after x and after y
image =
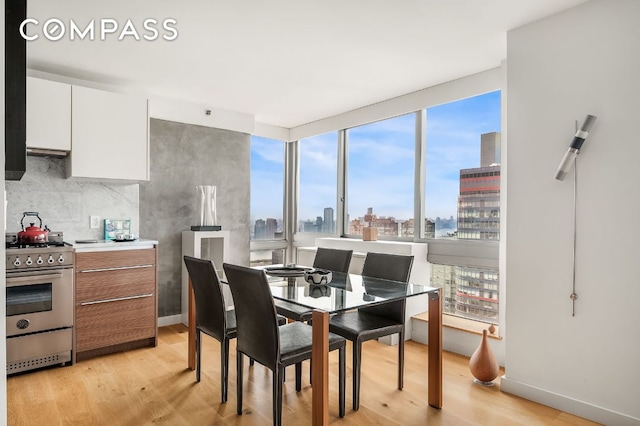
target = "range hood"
x: 15, y: 91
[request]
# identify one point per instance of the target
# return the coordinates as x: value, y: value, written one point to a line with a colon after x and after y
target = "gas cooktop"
x: 55, y: 240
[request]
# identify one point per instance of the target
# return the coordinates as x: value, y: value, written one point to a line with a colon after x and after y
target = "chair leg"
x: 277, y: 395
x: 298, y: 377
x: 357, y: 355
x: 239, y: 362
x: 401, y: 360
x: 341, y: 379
x: 224, y: 368
x: 198, y: 354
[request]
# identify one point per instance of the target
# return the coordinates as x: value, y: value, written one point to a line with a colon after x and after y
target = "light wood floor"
x: 153, y: 385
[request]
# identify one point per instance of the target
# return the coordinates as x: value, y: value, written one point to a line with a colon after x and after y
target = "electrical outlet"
x: 95, y: 221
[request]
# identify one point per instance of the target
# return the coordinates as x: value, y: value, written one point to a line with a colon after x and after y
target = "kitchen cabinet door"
x: 109, y: 135
x: 48, y: 114
x: 116, y: 305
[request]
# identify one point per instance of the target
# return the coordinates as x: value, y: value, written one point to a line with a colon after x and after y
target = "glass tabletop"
x: 344, y: 292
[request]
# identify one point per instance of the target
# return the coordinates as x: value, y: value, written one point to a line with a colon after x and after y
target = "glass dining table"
x: 345, y: 292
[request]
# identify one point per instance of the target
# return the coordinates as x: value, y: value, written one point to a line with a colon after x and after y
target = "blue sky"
x: 380, y: 163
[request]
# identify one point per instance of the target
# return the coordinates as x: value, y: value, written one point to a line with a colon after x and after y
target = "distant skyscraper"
x: 489, y: 149
x: 329, y: 224
x: 473, y: 292
x: 260, y: 229
x: 265, y: 230
x: 479, y: 200
x: 272, y: 227
x: 308, y: 226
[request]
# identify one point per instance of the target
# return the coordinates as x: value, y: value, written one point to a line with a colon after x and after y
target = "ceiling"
x: 287, y: 62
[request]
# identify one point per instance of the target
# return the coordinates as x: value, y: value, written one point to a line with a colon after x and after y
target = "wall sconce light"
x: 574, y: 149
x: 564, y: 167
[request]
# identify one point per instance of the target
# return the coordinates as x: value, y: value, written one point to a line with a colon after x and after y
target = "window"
x: 267, y: 202
x: 462, y: 195
x: 462, y: 201
x: 459, y: 153
x: 381, y: 176
x: 267, y: 189
x: 317, y: 194
x: 468, y: 292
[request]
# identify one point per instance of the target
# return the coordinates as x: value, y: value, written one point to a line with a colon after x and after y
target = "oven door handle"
x: 15, y: 278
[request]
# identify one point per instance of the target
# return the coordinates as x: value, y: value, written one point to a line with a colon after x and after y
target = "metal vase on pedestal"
x: 207, y: 214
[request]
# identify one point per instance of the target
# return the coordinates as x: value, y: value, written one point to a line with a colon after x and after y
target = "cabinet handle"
x: 119, y: 268
x: 117, y: 299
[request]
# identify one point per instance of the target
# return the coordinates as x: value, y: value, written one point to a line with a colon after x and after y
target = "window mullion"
x: 420, y: 167
x: 290, y: 196
x: 341, y: 202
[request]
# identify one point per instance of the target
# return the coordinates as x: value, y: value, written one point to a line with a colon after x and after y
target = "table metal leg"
x: 191, y: 352
x: 320, y: 368
x: 435, y: 350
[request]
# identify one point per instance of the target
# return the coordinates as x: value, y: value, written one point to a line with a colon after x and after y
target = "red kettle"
x: 33, y: 234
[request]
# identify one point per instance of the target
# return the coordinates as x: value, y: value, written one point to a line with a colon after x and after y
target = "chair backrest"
x: 210, y: 306
x: 258, y: 334
x: 394, y: 267
x: 333, y: 259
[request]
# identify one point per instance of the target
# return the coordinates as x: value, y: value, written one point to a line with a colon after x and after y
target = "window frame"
x: 458, y: 252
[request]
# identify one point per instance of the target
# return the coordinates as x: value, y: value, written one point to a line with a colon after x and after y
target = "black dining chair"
x: 332, y: 259
x: 375, y: 321
x: 212, y: 318
x: 260, y: 338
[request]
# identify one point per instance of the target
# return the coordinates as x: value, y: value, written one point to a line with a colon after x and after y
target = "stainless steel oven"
x: 39, y: 307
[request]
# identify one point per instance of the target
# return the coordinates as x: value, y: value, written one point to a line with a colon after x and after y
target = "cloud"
x: 268, y: 150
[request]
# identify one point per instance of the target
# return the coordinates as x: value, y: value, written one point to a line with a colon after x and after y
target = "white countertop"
x: 108, y: 245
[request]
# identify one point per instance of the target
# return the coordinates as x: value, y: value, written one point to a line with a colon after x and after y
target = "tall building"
x: 489, y: 149
x: 473, y: 292
x: 479, y: 219
x: 479, y: 199
x: 329, y: 223
x: 272, y: 227
x: 260, y: 229
x: 265, y: 230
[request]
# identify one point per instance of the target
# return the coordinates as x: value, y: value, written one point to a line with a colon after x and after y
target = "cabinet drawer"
x: 114, y: 259
x: 91, y: 286
x: 111, y: 323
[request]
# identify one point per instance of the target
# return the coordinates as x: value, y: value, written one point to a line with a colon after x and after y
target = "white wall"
x: 582, y: 61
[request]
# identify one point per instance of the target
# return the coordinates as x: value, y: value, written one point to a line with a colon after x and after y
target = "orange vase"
x: 483, y: 363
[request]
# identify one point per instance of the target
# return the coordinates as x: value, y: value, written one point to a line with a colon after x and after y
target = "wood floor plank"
x: 153, y: 385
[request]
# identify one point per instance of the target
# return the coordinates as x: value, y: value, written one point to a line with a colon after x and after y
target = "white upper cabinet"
x: 48, y: 114
x: 109, y: 134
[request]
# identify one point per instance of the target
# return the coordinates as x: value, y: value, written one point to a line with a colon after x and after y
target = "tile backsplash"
x: 67, y: 204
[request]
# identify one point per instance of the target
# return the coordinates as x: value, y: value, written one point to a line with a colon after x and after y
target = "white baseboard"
x: 170, y: 320
x: 567, y: 404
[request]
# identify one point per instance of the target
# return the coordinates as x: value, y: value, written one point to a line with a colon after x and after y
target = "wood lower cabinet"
x: 116, y: 301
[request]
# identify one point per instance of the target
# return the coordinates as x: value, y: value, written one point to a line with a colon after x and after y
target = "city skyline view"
x: 381, y: 164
